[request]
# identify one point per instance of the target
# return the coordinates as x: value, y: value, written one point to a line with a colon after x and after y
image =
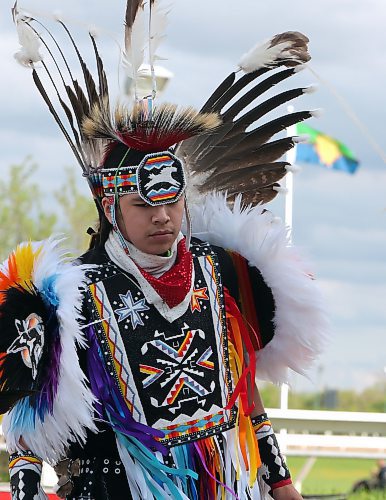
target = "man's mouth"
x: 162, y: 232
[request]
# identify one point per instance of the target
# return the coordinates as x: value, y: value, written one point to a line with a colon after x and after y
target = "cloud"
x: 345, y: 303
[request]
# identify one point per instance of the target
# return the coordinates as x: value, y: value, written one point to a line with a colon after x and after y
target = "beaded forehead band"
x: 159, y: 179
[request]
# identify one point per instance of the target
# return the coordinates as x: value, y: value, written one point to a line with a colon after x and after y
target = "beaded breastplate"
x: 173, y: 376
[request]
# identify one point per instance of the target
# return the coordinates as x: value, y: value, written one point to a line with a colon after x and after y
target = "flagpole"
x: 289, y: 181
x: 288, y: 209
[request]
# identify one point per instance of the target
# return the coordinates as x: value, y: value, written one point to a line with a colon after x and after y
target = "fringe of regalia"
x: 221, y: 466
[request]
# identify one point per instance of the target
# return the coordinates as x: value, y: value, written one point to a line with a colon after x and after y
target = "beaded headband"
x: 158, y: 179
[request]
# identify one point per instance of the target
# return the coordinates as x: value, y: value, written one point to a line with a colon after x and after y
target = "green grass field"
x: 335, y: 475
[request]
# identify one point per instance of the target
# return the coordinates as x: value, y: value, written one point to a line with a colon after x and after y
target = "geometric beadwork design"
x: 116, y: 348
x: 274, y: 468
x: 198, y: 293
x: 174, y: 376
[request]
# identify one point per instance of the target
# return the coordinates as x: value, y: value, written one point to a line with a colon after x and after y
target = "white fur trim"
x: 73, y: 406
x: 300, y: 321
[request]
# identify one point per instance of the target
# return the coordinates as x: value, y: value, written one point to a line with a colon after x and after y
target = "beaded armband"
x: 25, y: 470
x: 274, y: 470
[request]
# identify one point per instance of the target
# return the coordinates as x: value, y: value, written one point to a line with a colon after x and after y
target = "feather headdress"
x: 226, y: 146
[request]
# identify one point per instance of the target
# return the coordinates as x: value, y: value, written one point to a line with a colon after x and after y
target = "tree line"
x: 28, y: 212
x: 371, y: 399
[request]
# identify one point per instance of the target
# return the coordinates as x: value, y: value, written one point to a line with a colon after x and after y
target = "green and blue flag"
x: 321, y: 149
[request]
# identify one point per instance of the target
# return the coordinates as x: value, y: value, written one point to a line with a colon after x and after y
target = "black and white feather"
x: 243, y: 156
x: 68, y: 99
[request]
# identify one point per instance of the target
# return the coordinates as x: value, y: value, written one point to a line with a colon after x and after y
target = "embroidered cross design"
x: 131, y: 309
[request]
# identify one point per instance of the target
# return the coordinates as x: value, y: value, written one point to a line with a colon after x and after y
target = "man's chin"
x: 156, y: 249
x: 159, y: 245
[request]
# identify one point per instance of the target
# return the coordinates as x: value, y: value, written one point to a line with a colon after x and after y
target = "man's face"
x: 151, y: 229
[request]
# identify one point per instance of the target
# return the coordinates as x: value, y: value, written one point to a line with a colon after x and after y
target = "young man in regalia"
x: 134, y: 371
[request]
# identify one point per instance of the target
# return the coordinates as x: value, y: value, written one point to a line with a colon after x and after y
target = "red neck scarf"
x: 174, y: 285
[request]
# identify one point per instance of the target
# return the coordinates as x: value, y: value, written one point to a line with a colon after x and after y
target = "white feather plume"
x: 28, y: 39
x: 135, y: 44
x: 260, y: 56
x: 289, y: 48
x: 158, y: 25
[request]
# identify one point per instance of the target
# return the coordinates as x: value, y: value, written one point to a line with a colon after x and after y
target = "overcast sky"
x: 339, y: 220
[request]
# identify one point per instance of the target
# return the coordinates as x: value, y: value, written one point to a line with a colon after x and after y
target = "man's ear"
x: 107, y: 201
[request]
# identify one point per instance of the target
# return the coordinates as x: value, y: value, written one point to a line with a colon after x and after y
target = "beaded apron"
x: 174, y: 377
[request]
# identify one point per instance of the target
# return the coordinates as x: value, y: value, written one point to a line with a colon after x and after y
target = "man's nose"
x: 160, y: 215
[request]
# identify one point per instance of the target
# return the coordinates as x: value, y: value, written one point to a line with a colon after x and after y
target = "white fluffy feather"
x: 158, y: 25
x: 73, y: 407
x: 300, y: 321
x: 135, y: 43
x: 263, y: 55
x: 29, y: 41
